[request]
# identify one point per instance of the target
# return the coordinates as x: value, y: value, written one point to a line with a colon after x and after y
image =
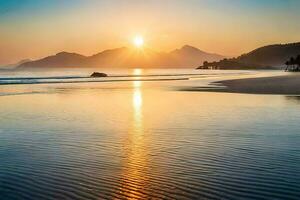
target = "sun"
x: 138, y: 41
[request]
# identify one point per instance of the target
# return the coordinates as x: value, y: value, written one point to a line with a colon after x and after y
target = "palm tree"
x: 294, y: 63
x: 297, y: 62
x: 287, y: 63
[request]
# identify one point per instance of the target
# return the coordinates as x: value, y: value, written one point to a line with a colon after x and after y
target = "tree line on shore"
x: 293, y: 64
x: 232, y: 63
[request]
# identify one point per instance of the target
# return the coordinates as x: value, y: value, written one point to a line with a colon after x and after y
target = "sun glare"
x: 138, y: 41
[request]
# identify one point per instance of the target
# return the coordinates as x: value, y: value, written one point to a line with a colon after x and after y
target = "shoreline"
x: 276, y: 85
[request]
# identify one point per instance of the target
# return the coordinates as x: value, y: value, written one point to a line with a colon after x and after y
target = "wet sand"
x: 287, y: 84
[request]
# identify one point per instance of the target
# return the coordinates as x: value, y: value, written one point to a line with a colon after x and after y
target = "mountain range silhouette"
x: 124, y: 57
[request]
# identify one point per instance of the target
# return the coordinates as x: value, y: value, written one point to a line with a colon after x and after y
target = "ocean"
x: 138, y: 134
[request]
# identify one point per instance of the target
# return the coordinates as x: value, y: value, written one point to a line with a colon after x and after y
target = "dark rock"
x: 98, y: 74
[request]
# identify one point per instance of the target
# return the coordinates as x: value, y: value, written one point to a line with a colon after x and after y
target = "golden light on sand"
x: 138, y: 41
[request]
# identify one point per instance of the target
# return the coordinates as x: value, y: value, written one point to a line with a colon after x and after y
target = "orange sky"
x: 34, y: 30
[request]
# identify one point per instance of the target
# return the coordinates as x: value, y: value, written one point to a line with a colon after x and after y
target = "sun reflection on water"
x: 137, y: 101
x: 137, y: 72
x: 137, y: 107
x: 134, y: 178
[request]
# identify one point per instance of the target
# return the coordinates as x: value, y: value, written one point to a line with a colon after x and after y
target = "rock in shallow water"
x: 98, y: 74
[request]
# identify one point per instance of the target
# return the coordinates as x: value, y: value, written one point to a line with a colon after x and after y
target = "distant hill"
x: 187, y: 56
x: 12, y: 66
x: 191, y: 56
x: 267, y: 57
x: 62, y: 59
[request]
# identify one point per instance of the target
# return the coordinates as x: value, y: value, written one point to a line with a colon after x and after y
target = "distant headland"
x: 267, y: 57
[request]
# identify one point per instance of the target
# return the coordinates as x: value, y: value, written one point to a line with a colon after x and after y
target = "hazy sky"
x: 37, y: 28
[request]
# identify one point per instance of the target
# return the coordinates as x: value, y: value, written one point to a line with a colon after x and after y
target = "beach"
x: 288, y: 84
